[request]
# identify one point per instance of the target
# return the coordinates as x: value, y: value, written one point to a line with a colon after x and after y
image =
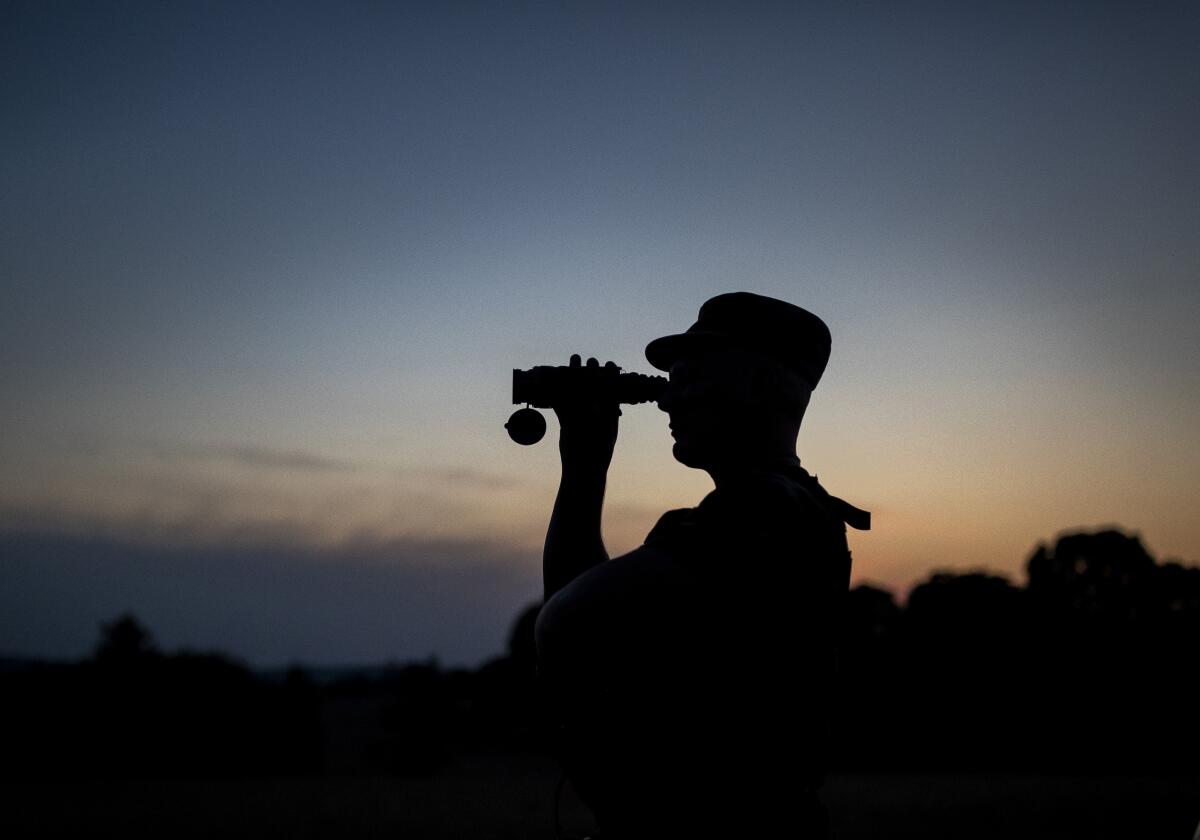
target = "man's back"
x: 691, y: 674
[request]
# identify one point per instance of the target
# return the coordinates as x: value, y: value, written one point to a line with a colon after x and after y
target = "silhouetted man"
x: 689, y: 678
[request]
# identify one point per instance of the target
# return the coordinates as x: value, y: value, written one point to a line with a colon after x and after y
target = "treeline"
x: 1089, y: 667
x: 1092, y: 666
x: 132, y: 711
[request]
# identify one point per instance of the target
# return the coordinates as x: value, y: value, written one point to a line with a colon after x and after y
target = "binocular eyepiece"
x: 548, y: 385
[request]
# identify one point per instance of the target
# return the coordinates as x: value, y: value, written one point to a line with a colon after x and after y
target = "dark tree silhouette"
x: 124, y: 641
x: 1095, y: 580
x: 521, y: 647
x: 1089, y: 667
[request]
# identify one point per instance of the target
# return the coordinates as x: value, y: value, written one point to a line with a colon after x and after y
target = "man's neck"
x: 727, y: 474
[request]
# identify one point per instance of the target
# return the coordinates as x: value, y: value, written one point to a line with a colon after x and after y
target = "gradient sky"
x: 267, y: 267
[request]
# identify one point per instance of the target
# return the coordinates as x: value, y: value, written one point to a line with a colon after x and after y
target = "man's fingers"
x: 580, y: 394
x: 577, y: 361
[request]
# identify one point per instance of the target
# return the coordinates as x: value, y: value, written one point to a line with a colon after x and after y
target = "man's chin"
x: 688, y: 455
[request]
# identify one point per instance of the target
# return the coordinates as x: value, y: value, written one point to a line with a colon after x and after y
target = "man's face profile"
x: 720, y: 409
x: 690, y: 401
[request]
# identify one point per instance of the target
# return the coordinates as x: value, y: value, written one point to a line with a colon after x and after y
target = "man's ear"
x: 777, y: 387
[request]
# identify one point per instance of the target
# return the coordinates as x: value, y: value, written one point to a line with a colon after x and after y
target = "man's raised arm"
x: 587, y: 436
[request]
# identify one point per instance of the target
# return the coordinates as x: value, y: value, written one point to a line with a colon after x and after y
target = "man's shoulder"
x: 615, y: 597
x: 615, y: 583
x: 791, y: 493
x: 759, y: 522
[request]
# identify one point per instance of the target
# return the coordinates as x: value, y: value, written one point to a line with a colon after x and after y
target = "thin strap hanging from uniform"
x: 856, y: 518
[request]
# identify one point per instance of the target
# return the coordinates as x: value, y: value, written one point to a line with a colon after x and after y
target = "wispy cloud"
x: 256, y: 456
x: 171, y: 502
x: 467, y: 478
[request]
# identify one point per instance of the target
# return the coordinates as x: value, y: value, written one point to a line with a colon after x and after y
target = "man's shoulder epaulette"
x: 856, y: 518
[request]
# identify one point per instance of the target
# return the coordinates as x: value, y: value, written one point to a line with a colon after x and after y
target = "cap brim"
x: 664, y: 352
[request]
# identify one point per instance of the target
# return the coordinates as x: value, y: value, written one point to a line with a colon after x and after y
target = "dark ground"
x: 509, y: 796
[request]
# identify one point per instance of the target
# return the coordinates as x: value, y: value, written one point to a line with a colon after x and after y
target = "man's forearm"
x: 573, y: 540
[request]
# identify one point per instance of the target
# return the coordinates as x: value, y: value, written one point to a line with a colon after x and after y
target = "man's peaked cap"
x: 792, y: 336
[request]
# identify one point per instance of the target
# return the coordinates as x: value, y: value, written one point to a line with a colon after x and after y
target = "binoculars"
x: 548, y: 385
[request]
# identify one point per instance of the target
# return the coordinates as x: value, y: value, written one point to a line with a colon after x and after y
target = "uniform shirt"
x: 688, y: 678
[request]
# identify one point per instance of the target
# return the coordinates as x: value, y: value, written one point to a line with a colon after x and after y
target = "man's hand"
x: 587, y: 423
